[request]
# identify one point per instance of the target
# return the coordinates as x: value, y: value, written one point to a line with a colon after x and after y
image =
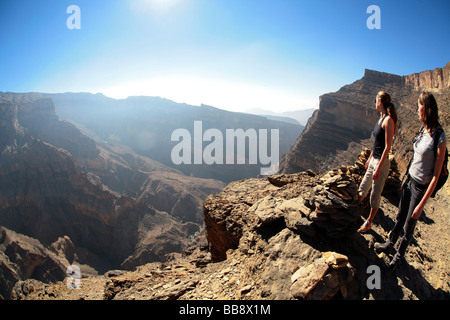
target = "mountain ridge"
x: 149, y: 122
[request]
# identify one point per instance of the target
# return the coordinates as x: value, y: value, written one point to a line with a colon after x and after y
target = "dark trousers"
x: 412, y: 194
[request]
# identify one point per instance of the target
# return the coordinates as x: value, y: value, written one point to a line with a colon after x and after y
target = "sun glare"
x: 159, y: 6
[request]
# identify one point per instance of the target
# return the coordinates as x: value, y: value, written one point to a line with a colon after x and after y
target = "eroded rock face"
x: 22, y: 257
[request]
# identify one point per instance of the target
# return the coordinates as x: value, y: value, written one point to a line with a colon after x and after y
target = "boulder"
x: 22, y: 257
x: 324, y: 278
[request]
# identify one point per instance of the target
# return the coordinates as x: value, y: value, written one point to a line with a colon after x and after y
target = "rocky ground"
x: 281, y: 238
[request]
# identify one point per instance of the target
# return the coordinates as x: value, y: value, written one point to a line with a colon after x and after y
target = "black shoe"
x: 383, y: 247
x: 396, y: 260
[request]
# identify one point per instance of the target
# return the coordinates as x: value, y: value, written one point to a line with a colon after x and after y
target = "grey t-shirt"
x: 422, y: 166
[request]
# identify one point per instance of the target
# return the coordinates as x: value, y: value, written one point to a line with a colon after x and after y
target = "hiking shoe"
x: 396, y: 260
x: 383, y: 247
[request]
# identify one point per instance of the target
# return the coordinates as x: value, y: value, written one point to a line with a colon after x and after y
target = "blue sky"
x: 277, y: 55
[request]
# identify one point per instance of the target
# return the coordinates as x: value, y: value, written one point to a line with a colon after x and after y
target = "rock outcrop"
x: 22, y: 257
x: 306, y: 203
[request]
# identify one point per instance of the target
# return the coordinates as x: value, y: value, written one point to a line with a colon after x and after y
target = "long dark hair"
x: 385, y: 99
x: 430, y: 116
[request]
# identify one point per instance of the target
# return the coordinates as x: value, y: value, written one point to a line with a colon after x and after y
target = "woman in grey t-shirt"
x: 423, y: 175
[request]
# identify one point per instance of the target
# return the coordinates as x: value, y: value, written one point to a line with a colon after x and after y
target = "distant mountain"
x: 146, y: 124
x: 300, y: 116
x: 118, y: 209
x: 90, y: 181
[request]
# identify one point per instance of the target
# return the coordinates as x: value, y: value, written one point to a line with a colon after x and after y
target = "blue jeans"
x: 412, y: 194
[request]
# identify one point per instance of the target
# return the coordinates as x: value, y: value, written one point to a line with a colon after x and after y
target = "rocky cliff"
x: 45, y: 195
x: 22, y: 257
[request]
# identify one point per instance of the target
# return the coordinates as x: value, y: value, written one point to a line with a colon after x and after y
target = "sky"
x: 277, y: 55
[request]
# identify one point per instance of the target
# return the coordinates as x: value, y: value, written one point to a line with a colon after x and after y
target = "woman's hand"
x: 437, y: 171
x: 417, y: 211
x: 366, y: 165
x: 376, y: 174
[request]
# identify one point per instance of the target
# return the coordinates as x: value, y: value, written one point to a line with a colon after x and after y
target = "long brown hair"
x: 385, y: 99
x: 430, y: 115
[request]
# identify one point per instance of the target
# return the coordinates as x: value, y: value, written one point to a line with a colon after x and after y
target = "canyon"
x: 290, y: 235
x: 147, y: 124
x: 117, y: 208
